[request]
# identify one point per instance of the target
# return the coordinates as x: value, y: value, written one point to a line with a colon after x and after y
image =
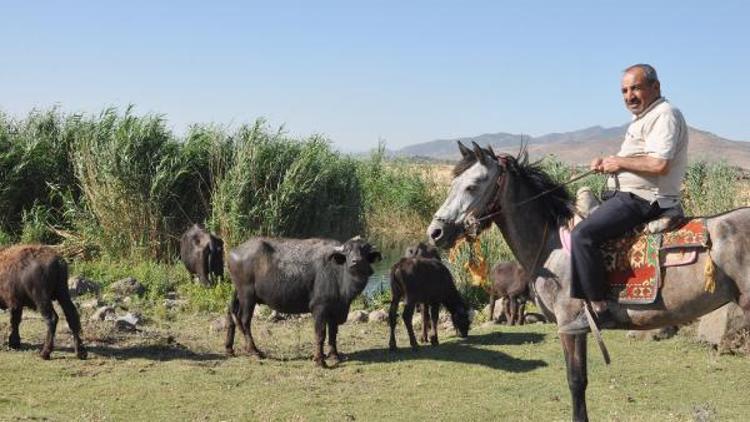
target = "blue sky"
x: 404, y: 72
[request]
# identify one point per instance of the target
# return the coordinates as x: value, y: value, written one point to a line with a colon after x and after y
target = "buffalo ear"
x: 374, y: 257
x: 464, y: 151
x: 479, y: 153
x: 337, y: 257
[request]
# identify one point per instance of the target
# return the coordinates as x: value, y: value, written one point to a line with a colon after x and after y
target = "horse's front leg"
x: 574, y: 348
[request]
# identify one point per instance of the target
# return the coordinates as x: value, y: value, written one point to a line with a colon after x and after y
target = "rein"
x: 496, y: 198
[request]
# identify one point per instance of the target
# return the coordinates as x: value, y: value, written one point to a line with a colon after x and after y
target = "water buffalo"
x: 33, y: 276
x: 422, y: 250
x: 427, y: 282
x: 203, y: 254
x: 509, y: 281
x: 427, y: 251
x: 294, y: 276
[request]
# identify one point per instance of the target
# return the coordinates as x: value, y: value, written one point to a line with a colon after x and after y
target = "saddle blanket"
x: 634, y: 262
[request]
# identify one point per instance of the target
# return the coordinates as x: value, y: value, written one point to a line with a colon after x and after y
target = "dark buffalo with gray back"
x: 295, y: 276
x: 426, y: 251
x: 203, y: 254
x: 422, y: 250
x: 428, y: 282
x: 34, y: 276
x: 509, y: 281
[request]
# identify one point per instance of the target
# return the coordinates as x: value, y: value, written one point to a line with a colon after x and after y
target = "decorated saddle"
x: 634, y: 263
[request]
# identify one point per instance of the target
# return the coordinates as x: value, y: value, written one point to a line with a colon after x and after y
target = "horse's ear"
x: 492, y: 151
x: 479, y: 153
x: 464, y: 151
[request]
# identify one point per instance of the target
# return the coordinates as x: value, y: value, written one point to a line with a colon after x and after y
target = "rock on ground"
x: 721, y: 323
x: 653, y: 335
x: 79, y: 285
x: 377, y: 316
x: 127, y: 287
x: 104, y: 313
x: 357, y: 316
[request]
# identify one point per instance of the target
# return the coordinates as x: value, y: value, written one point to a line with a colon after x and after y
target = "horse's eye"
x: 471, y: 188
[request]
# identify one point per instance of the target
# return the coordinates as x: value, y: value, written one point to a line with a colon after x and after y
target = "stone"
x: 92, y: 303
x: 171, y: 295
x: 79, y: 285
x: 124, y: 325
x: 104, y: 313
x: 218, y: 325
x: 498, y: 310
x: 357, y: 316
x: 721, y: 323
x: 533, y: 318
x: 127, y: 287
x: 378, y: 315
x: 130, y: 318
x: 275, y: 316
x: 653, y: 335
x: 175, y: 303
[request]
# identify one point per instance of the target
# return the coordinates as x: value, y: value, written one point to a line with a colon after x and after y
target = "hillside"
x: 582, y: 145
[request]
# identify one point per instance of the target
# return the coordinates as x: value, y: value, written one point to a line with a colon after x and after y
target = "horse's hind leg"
x: 14, y: 341
x: 50, y: 317
x: 574, y: 348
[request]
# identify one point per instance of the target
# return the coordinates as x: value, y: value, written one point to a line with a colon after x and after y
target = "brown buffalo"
x: 33, y: 276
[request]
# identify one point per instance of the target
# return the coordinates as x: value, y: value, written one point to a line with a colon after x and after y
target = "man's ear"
x: 374, y: 257
x: 338, y: 258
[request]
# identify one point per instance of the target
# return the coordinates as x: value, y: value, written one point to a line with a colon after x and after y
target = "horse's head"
x: 471, y: 195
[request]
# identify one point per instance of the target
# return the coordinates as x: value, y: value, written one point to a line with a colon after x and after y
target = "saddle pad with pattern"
x: 633, y: 263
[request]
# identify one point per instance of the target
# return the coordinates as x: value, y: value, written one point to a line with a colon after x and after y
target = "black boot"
x: 580, y: 324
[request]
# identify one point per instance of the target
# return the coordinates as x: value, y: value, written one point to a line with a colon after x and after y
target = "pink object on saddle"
x: 565, y: 239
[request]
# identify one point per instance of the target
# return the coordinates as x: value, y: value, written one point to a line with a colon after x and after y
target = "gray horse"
x: 528, y: 207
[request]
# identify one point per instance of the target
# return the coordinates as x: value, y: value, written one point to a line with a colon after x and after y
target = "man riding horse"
x: 645, y: 183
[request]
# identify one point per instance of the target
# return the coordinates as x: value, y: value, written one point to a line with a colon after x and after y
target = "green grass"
x: 175, y: 371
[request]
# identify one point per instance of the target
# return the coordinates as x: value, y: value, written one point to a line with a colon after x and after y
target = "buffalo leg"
x: 231, y: 323
x: 425, y: 321
x: 574, y: 348
x: 512, y: 310
x: 50, y: 317
x: 74, y: 323
x: 320, y: 337
x: 14, y: 341
x: 392, y: 321
x: 434, y: 313
x: 492, y: 308
x: 333, y: 329
x: 507, y: 310
x: 247, y: 307
x: 408, y: 315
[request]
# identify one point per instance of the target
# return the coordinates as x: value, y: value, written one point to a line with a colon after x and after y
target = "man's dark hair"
x: 647, y: 69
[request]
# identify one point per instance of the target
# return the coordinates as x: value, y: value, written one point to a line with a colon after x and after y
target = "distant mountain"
x: 581, y: 146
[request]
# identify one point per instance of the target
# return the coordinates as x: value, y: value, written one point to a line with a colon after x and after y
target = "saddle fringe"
x: 709, y: 272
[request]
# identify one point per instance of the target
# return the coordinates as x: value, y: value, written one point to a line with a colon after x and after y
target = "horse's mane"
x: 556, y: 204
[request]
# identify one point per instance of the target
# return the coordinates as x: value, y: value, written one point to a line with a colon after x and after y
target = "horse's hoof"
x: 44, y: 355
x: 82, y: 354
x: 229, y: 352
x: 258, y: 354
x: 434, y: 341
x: 320, y: 363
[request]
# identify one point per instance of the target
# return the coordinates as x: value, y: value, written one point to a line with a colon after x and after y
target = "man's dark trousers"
x: 614, y: 217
